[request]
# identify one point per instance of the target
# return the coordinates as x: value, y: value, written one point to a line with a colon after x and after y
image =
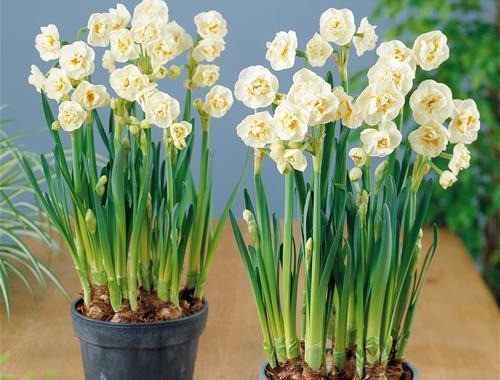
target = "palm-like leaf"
x: 20, y: 219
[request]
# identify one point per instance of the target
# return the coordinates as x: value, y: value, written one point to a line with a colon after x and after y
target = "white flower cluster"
x: 144, y: 42
x: 311, y: 101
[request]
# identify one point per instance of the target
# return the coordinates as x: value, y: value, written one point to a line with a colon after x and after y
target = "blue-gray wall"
x: 250, y: 24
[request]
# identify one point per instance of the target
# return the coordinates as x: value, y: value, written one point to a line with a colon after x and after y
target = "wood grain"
x: 456, y: 333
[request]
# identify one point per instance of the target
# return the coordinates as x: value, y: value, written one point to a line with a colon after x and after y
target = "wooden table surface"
x: 455, y: 336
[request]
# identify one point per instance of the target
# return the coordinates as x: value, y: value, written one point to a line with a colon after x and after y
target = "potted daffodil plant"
x: 338, y: 299
x: 140, y: 222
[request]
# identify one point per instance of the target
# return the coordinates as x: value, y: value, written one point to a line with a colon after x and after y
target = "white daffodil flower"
x: 122, y: 45
x: 208, y: 49
x: 218, y: 101
x: 390, y: 69
x: 161, y: 51
x: 380, y: 102
x: 128, y: 81
x: 156, y: 8
x: 358, y: 156
x: 431, y: 100
x: 71, y: 115
x: 178, y: 34
x: 430, y: 139
x: 205, y: 75
x: 292, y: 158
x: 318, y: 51
x: 108, y: 61
x: 147, y: 29
x: 256, y: 87
x: 291, y: 122
x: 99, y: 25
x: 47, y: 43
x: 311, y: 93
x: 90, y: 96
x: 57, y: 84
x: 281, y: 51
x: 257, y: 130
x: 447, y: 179
x: 465, y: 122
x: 162, y: 110
x: 460, y: 159
x: 179, y: 132
x: 431, y: 49
x: 77, y: 59
x: 367, y: 37
x: 348, y: 111
x: 210, y: 24
x: 381, y: 142
x: 143, y: 96
x: 337, y: 26
x: 37, y: 79
x: 395, y: 49
x: 119, y: 17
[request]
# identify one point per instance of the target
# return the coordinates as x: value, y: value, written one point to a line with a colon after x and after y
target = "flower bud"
x: 145, y: 124
x: 56, y: 125
x: 355, y: 174
x: 252, y: 227
x: 132, y: 120
x: 90, y: 221
x: 309, y: 249
x: 174, y: 71
x: 279, y: 98
x: 134, y: 129
x: 149, y: 205
x: 161, y: 73
x: 189, y: 84
x: 358, y: 156
x: 362, y: 203
x: 380, y: 174
x: 309, y: 245
x: 100, y: 187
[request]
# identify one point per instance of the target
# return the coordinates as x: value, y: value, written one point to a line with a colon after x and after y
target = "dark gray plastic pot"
x: 136, y: 351
x: 411, y: 367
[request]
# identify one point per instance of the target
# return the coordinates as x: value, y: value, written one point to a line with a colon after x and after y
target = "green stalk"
x: 195, y: 252
x: 314, y: 337
x: 118, y: 200
x: 80, y: 249
x: 291, y: 341
x: 381, y: 271
x: 139, y: 220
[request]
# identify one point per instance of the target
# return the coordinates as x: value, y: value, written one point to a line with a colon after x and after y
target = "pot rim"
x: 135, y: 325
x: 411, y: 366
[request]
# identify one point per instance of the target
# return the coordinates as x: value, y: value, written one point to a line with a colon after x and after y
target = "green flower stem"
x: 381, y: 270
x: 199, y: 220
x: 314, y: 336
x: 81, y: 266
x: 118, y: 199
x: 269, y: 270
x: 139, y: 220
x: 291, y: 341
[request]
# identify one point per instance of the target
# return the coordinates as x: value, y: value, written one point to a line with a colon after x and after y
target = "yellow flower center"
x: 259, y: 86
x: 431, y: 102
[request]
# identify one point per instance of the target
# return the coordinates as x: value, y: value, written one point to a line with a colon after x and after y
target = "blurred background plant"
x: 471, y: 210
x: 29, y: 376
x: 21, y: 219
